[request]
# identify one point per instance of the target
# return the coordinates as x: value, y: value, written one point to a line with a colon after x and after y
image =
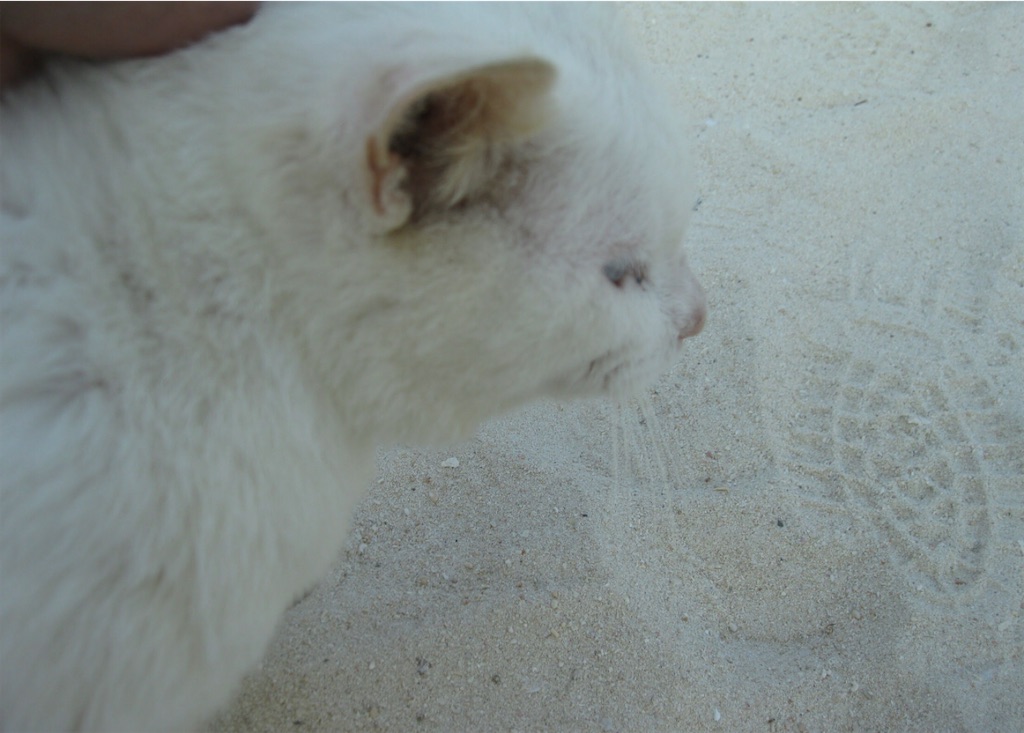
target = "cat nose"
x: 696, y: 321
x: 693, y: 322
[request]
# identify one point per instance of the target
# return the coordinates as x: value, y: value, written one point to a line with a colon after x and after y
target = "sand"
x: 817, y: 524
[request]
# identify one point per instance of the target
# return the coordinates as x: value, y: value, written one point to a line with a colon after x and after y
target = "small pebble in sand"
x: 452, y: 462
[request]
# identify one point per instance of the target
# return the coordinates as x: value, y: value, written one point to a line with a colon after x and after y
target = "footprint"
x: 897, y: 421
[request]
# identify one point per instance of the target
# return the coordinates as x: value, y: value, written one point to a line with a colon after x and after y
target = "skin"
x: 31, y: 31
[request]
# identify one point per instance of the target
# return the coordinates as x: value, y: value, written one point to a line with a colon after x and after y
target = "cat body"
x: 228, y: 274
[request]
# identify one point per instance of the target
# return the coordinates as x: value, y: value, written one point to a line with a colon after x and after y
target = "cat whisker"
x: 640, y: 462
x: 616, y: 465
x: 641, y: 450
x: 674, y: 469
x: 657, y: 440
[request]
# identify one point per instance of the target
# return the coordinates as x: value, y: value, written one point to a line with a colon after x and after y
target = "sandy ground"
x: 818, y: 524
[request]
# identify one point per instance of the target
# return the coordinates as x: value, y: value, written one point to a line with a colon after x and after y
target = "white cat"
x: 229, y: 273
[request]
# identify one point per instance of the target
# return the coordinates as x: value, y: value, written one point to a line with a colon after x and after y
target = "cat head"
x: 488, y: 208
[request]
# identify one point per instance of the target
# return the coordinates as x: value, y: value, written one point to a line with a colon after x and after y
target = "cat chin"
x: 614, y: 375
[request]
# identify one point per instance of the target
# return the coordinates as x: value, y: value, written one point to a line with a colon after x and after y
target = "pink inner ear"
x: 385, y: 174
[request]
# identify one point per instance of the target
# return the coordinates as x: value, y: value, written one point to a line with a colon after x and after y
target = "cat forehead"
x: 636, y: 133
x: 644, y: 176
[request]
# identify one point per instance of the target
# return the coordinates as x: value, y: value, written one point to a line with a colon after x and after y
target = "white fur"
x: 214, y: 308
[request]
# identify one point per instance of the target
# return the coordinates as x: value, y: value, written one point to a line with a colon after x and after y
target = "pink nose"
x: 693, y: 323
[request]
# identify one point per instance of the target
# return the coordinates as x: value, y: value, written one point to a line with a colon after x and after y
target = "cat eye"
x: 621, y: 270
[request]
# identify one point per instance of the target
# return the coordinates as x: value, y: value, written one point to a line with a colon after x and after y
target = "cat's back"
x: 146, y: 421
x: 140, y: 496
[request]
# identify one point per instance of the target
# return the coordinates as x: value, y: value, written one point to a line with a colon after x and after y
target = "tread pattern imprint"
x: 907, y: 415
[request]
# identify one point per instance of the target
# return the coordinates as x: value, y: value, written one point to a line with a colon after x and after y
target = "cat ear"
x: 444, y: 138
